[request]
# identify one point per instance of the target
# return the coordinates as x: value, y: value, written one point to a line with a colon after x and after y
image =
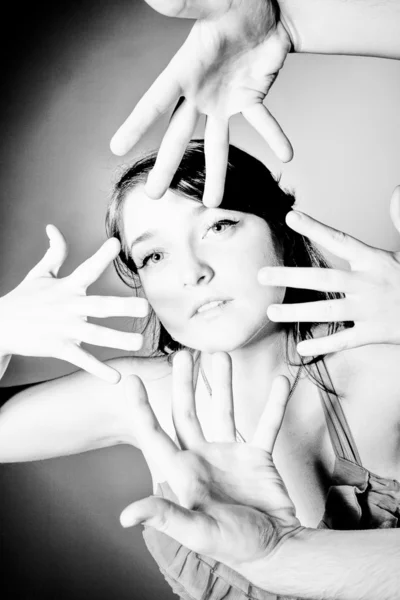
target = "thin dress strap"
x: 342, y: 439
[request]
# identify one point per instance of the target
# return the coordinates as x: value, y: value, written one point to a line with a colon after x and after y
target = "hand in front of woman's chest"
x: 303, y: 451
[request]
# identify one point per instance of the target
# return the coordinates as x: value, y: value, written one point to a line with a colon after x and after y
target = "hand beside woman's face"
x: 188, y: 256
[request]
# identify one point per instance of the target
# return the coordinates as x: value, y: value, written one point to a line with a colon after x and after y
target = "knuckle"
x: 187, y: 415
x: 266, y: 535
x: 225, y: 413
x: 65, y: 348
x: 389, y: 265
x: 339, y: 236
x: 76, y: 333
x: 328, y: 308
x: 334, y: 279
x: 164, y: 516
x: 347, y: 340
x: 343, y: 345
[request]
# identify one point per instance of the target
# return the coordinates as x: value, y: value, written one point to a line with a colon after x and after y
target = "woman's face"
x: 198, y: 267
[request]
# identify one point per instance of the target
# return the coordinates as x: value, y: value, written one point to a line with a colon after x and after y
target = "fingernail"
x: 273, y: 312
x: 117, y: 147
x: 113, y: 241
x: 48, y: 232
x: 153, y: 188
x: 294, y: 214
x: 264, y: 276
x: 209, y: 203
x: 126, y: 520
x: 294, y: 218
x: 137, y: 341
x: 113, y: 377
x: 302, y: 350
x: 141, y: 307
x: 212, y: 200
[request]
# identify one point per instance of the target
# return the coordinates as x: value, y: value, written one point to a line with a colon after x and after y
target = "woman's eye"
x: 223, y: 225
x: 153, y: 258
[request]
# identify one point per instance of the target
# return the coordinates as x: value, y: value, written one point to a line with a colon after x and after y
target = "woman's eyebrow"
x: 143, y: 237
x: 150, y: 233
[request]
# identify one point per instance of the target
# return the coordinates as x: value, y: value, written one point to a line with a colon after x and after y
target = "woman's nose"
x: 195, y: 271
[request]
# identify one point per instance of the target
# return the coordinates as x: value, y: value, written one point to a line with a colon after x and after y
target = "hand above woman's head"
x: 190, y: 9
x: 371, y: 288
x: 47, y: 316
x: 233, y: 504
x: 226, y: 66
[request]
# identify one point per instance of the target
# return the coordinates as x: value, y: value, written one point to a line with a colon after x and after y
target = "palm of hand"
x: 47, y: 316
x: 237, y: 493
x: 31, y: 304
x: 377, y: 325
x: 226, y: 66
x: 231, y: 67
x: 232, y: 503
x: 232, y: 473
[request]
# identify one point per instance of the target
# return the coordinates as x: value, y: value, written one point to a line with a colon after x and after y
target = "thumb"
x: 395, y: 208
x: 55, y: 256
x: 192, y: 529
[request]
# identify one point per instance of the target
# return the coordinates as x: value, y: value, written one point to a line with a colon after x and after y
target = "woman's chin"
x: 229, y: 340
x: 218, y: 347
x: 214, y: 344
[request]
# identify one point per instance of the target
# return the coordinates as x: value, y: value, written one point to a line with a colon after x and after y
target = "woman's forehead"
x: 140, y: 213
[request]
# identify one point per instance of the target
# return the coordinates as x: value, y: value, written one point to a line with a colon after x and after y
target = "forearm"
x: 333, y: 565
x: 44, y: 422
x: 359, y: 27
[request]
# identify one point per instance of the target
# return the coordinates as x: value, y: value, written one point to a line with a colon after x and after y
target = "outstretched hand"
x: 226, y: 66
x: 47, y: 316
x: 371, y: 288
x: 233, y: 505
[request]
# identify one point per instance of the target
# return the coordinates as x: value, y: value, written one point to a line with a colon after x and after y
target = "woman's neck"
x: 254, y: 368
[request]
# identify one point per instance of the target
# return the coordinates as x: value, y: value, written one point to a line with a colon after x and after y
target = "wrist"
x: 336, y: 27
x: 270, y: 572
x: 292, y: 23
x: 285, y: 19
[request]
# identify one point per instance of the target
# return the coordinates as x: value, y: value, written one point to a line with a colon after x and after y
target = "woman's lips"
x: 210, y: 308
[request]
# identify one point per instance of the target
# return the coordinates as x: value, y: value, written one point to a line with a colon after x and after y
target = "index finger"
x: 335, y: 241
x: 152, y: 440
x: 222, y: 397
x: 186, y: 422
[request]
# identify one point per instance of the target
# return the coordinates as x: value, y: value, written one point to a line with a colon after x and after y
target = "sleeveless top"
x: 357, y: 499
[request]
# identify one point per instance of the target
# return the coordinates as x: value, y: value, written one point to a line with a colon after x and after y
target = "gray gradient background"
x: 71, y: 74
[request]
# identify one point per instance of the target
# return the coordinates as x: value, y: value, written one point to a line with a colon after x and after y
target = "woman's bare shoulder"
x: 148, y: 368
x: 362, y: 363
x: 369, y: 373
x: 367, y: 361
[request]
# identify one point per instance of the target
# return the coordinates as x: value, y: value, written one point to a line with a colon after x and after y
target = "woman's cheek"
x: 160, y: 295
